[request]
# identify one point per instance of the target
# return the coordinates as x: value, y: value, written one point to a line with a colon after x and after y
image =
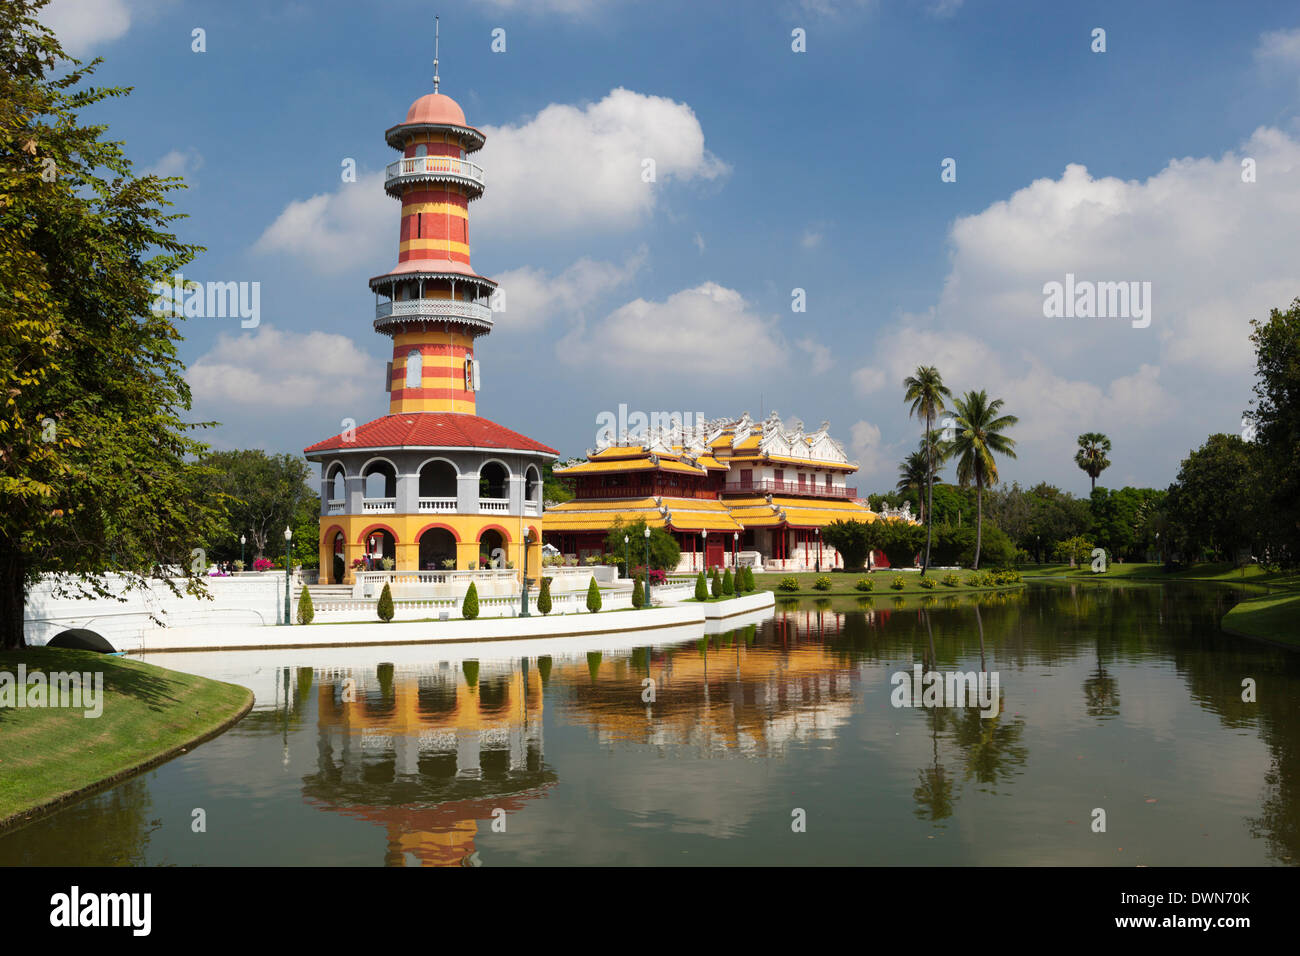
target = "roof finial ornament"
x: 435, y: 54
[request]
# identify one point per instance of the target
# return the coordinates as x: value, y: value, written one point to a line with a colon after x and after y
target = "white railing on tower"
x: 494, y: 504
x: 372, y: 505
x: 437, y: 505
x: 437, y: 166
x: 434, y: 308
x: 335, y: 506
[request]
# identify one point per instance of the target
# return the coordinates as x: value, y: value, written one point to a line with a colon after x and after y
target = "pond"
x: 776, y: 743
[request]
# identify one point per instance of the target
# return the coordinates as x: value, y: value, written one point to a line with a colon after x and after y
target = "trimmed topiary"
x: 728, y: 585
x: 469, y: 607
x: 593, y: 596
x: 823, y: 583
x: 897, y: 584
x: 306, y: 613
x: 544, y: 597
x: 789, y: 584
x: 638, y: 592
x: 715, y: 586
x: 865, y: 584
x: 701, y: 588
x: 385, y: 607
x: 927, y: 583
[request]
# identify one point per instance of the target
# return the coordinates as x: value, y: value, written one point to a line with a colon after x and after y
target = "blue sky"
x: 776, y: 170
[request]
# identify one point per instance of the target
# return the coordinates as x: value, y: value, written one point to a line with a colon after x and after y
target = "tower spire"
x: 435, y: 54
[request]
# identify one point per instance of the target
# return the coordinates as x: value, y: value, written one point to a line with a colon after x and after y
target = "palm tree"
x: 926, y: 391
x: 913, y: 472
x: 979, y: 437
x: 1091, y: 456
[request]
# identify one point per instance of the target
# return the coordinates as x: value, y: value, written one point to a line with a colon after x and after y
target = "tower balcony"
x: 433, y: 169
x: 474, y: 314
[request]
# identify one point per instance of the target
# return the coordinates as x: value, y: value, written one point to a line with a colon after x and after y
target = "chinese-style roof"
x: 432, y: 430
x: 616, y: 465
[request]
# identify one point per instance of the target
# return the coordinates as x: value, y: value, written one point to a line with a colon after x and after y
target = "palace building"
x: 729, y: 490
x: 431, y: 485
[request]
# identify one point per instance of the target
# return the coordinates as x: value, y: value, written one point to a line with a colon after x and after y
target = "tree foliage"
x: 96, y: 454
x: 665, y: 552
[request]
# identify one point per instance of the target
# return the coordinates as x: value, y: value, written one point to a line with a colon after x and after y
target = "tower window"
x: 414, y: 368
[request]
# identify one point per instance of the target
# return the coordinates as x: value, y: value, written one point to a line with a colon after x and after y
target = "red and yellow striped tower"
x: 437, y: 305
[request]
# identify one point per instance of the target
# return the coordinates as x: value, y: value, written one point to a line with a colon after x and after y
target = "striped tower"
x: 436, y: 305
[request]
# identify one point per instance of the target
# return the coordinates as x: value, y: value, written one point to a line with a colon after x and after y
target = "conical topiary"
x: 469, y: 607
x: 638, y: 592
x: 593, y: 596
x: 728, y: 585
x: 715, y: 586
x: 385, y: 608
x: 305, y: 611
x: 544, y: 597
x: 701, y: 588
x: 749, y: 580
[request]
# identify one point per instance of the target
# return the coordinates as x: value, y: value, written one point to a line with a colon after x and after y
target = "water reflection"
x: 696, y: 751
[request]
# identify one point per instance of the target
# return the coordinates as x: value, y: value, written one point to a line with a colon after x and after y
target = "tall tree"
x: 925, y: 391
x: 1091, y: 456
x: 1276, y: 422
x: 913, y: 475
x: 261, y: 494
x: 979, y: 437
x: 96, y: 469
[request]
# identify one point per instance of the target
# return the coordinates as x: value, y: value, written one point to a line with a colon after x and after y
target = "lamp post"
x: 523, y: 599
x: 627, y: 555
x: 288, y: 560
x: 647, y: 566
x: 242, y: 539
x: 735, y: 551
x: 818, y: 533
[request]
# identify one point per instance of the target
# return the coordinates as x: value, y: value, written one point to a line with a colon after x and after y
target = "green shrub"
x: 789, y: 584
x: 951, y: 579
x: 306, y: 613
x: 544, y: 597
x: 749, y: 580
x: 385, y: 608
x: 469, y: 607
x: 927, y: 583
x: 823, y: 583
x: 728, y: 585
x: 593, y: 596
x: 865, y: 584
x: 638, y: 592
x: 715, y: 585
x: 897, y: 584
x: 701, y: 588
x: 471, y: 672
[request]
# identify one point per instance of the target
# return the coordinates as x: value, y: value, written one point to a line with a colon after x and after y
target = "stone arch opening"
x: 437, y: 479
x: 493, y: 480
x: 437, y: 546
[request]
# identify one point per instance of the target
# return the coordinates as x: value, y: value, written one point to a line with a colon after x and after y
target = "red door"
x: 713, y: 554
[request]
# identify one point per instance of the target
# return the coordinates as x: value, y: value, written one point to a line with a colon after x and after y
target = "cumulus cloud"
x: 595, y: 157
x: 82, y: 25
x: 1279, y: 48
x: 332, y: 227
x: 533, y: 297
x: 820, y: 355
x: 270, y: 367
x: 177, y: 163
x: 694, y: 331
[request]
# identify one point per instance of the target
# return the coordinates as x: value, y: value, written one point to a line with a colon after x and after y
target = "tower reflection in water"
x: 432, y: 751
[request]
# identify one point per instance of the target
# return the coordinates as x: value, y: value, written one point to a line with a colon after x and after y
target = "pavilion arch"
x: 371, y: 529
x: 533, y: 484
x: 494, y: 527
x: 336, y: 474
x: 437, y: 544
x: 334, y: 539
x: 435, y: 478
x: 494, y: 479
x: 376, y: 466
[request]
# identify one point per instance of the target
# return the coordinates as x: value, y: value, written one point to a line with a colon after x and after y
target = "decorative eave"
x: 396, y: 136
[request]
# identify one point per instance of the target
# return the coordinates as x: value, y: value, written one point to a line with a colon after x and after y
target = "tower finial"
x: 435, y: 54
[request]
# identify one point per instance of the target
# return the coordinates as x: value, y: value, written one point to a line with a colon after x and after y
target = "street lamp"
x: 627, y: 555
x: 735, y: 550
x: 647, y: 566
x: 288, y: 560
x: 242, y: 539
x: 704, y: 550
x: 523, y: 608
x: 818, y: 533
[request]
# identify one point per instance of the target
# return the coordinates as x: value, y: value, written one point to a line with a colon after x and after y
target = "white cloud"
x: 177, y: 163
x: 593, y: 157
x: 81, y: 25
x: 1279, y: 48
x: 575, y: 8
x: 819, y: 354
x: 811, y: 239
x: 873, y: 457
x: 532, y: 297
x: 693, y: 332
x: 332, y: 227
x: 271, y: 368
x: 699, y: 243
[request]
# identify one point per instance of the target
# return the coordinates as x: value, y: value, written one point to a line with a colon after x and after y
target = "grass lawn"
x: 1223, y: 573
x: 843, y: 583
x: 50, y: 754
x: 1273, y: 617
